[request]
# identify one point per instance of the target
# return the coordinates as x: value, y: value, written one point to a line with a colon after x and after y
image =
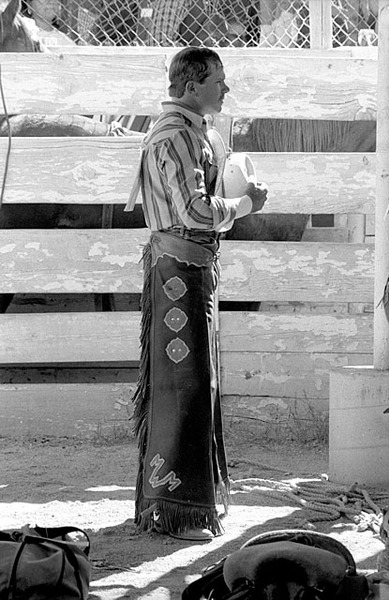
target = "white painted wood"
x: 98, y: 261
x: 83, y: 170
x: 326, y: 24
x: 53, y: 338
x: 46, y: 83
x: 102, y: 170
x: 381, y: 326
x: 284, y: 84
x: 294, y: 333
x: 225, y: 52
x: 286, y: 375
x: 71, y: 260
x: 315, y: 23
x: 296, y: 271
x: 318, y: 182
x: 356, y: 227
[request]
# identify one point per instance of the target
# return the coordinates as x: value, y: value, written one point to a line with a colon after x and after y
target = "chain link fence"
x: 260, y: 23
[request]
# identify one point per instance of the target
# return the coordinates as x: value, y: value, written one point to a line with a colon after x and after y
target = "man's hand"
x: 258, y: 195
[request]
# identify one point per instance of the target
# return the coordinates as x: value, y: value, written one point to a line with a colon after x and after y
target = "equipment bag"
x: 283, y: 565
x: 41, y: 564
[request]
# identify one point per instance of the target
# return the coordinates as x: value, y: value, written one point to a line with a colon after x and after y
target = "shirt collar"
x: 194, y: 117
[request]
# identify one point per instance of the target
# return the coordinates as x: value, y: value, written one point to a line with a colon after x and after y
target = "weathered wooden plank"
x: 108, y: 261
x: 317, y: 183
x: 71, y: 261
x: 282, y: 85
x: 102, y: 170
x: 70, y: 170
x: 59, y: 338
x: 66, y: 410
x: 84, y: 84
x: 297, y: 271
x: 52, y: 338
x: 89, y: 261
x: 261, y: 52
x: 290, y: 375
x: 287, y: 333
x: 301, y: 87
x: 87, y: 409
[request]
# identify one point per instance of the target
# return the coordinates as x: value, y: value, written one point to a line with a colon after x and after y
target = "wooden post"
x: 356, y: 227
x: 320, y: 23
x: 315, y: 23
x: 326, y: 24
x: 381, y: 324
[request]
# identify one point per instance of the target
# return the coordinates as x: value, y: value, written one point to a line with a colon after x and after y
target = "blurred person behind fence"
x: 46, y: 15
x: 116, y: 23
x: 180, y: 23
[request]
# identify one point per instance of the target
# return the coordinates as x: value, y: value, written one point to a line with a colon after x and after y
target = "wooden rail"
x: 102, y: 170
x: 128, y: 81
x: 108, y: 261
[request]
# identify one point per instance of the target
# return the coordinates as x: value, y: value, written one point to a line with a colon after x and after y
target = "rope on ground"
x: 322, y: 500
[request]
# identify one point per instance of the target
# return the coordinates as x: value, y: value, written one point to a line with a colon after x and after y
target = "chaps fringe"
x: 141, y: 399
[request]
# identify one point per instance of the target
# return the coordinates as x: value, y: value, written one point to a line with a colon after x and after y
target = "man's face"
x: 211, y: 92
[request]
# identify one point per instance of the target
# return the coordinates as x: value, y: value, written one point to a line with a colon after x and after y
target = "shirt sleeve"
x: 182, y: 166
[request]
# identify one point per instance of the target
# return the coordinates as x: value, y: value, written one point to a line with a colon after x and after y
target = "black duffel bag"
x: 44, y: 564
x: 283, y: 565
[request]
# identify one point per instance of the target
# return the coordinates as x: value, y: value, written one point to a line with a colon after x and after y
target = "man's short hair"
x: 191, y: 64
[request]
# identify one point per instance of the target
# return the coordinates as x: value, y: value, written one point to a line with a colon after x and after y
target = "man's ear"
x: 190, y: 87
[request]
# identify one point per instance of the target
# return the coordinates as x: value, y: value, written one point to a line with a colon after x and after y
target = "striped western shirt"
x: 175, y: 175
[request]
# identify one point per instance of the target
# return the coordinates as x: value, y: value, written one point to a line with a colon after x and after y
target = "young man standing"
x: 182, y: 463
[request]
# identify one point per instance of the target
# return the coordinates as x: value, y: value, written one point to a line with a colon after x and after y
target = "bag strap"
x: 136, y: 187
x: 12, y: 578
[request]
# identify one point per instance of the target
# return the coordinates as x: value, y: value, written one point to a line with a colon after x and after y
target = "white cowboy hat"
x: 234, y: 170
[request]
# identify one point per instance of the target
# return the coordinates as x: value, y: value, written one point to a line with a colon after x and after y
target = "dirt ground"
x: 91, y: 485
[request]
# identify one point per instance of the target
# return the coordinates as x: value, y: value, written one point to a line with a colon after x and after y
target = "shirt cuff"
x: 244, y: 206
x: 238, y: 207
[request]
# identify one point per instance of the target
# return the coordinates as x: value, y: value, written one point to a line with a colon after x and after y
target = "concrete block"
x: 358, y: 427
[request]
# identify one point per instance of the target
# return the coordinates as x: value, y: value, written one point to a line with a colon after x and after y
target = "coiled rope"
x: 322, y: 500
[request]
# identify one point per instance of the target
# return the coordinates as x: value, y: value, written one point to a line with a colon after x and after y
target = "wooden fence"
x: 73, y: 373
